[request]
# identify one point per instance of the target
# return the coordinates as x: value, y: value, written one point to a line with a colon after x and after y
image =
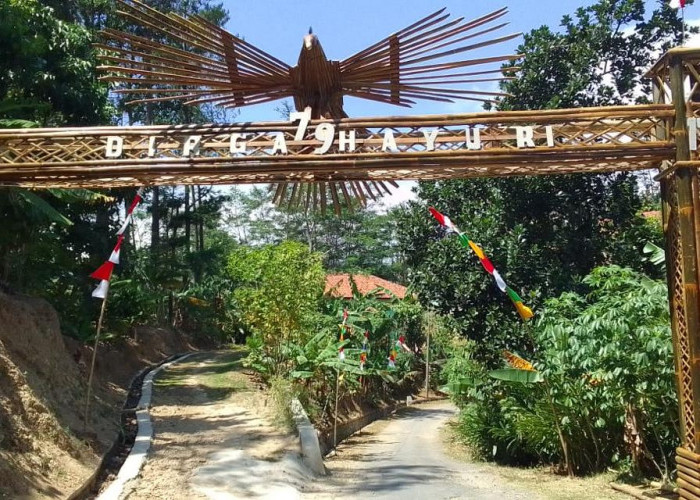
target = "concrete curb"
x: 133, y: 463
x: 308, y: 439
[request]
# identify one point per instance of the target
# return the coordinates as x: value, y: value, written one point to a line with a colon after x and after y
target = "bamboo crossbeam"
x: 688, y: 455
x: 554, y: 116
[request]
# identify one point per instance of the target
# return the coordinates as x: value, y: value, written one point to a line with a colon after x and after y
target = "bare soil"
x: 541, y: 482
x: 46, y: 451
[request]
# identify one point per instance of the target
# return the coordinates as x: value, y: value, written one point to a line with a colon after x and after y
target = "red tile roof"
x: 338, y: 285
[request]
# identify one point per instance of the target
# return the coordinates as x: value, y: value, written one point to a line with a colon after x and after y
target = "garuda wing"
x: 424, y: 61
x: 192, y: 60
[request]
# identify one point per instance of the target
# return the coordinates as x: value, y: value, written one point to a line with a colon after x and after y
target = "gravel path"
x: 403, y: 458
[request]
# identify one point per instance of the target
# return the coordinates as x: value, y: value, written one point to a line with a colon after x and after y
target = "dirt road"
x: 214, y: 436
x: 214, y: 439
x: 403, y: 458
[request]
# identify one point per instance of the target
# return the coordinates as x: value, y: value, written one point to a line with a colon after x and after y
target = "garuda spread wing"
x: 404, y: 67
x: 193, y: 61
x: 196, y: 62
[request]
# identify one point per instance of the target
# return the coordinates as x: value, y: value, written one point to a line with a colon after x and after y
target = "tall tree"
x: 544, y: 233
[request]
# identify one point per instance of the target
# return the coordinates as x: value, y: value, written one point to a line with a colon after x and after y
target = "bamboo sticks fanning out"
x: 196, y: 62
x: 192, y: 61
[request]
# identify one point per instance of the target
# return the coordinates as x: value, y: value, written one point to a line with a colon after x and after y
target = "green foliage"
x: 597, y: 57
x: 605, y: 366
x: 515, y: 375
x: 277, y: 288
x: 296, y: 331
x: 47, y: 67
x: 358, y: 240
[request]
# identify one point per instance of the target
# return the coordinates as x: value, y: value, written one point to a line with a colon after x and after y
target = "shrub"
x: 606, y: 393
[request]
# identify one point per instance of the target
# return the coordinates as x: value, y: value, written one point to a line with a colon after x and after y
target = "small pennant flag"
x: 401, y: 343
x: 104, y: 272
x: 443, y: 219
x: 677, y: 4
x: 125, y: 224
x: 524, y: 311
x: 135, y: 202
x: 517, y: 362
x: 114, y: 257
x: 101, y: 291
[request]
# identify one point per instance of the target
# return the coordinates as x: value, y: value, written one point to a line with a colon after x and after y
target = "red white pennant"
x: 101, y: 291
x: 114, y: 257
x: 104, y: 272
x: 676, y: 4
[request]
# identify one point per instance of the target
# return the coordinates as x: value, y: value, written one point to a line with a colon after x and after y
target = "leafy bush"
x: 606, y: 393
x: 296, y: 334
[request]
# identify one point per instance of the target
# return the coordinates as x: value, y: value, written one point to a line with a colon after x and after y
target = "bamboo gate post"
x: 681, y: 203
x: 335, y: 413
x: 92, y: 364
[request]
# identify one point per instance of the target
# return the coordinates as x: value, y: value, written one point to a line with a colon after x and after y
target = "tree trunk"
x: 155, y: 222
x: 188, y: 227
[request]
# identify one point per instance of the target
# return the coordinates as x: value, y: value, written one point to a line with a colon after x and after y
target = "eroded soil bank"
x: 46, y: 450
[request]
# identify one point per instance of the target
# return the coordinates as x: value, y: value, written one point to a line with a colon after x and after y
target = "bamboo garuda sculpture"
x: 200, y: 63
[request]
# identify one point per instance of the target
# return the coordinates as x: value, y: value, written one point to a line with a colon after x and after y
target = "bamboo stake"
x: 92, y: 364
x: 427, y: 356
x: 335, y: 416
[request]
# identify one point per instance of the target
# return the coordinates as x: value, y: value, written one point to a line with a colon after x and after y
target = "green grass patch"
x: 217, y: 375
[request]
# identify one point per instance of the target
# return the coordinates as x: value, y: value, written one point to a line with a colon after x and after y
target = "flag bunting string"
x: 524, y: 311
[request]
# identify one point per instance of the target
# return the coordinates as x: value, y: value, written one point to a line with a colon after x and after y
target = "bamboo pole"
x: 335, y: 413
x: 684, y: 183
x: 427, y: 355
x: 94, y: 357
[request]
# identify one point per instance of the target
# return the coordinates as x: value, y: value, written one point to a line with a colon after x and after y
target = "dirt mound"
x: 39, y: 389
x: 43, y: 380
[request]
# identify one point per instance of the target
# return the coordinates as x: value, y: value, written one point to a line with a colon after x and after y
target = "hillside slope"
x: 45, y: 449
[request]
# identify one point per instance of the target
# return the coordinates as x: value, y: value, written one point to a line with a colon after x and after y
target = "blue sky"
x: 278, y: 26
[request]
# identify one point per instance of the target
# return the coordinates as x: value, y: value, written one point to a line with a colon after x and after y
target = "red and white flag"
x: 104, y: 272
x: 677, y: 4
x: 114, y: 257
x: 101, y: 291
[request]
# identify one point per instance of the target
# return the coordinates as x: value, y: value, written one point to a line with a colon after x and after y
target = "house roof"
x: 338, y: 285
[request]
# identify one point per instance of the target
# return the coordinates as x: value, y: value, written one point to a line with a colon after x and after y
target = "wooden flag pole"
x: 335, y: 414
x: 94, y: 356
x: 427, y: 356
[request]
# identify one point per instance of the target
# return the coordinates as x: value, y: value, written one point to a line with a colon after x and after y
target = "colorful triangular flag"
x: 104, y: 272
